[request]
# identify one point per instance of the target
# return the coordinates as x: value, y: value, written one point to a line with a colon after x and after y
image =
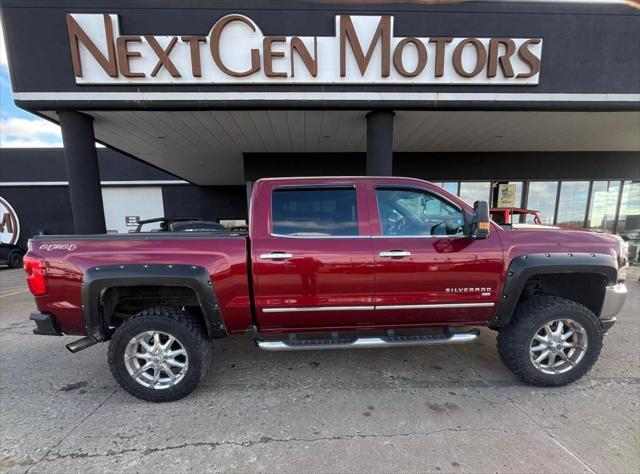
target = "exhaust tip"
x: 80, y: 344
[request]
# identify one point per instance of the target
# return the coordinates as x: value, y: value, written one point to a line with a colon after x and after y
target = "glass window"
x: 417, y: 213
x: 472, y: 192
x: 573, y: 203
x: 315, y: 212
x: 604, y: 200
x: 629, y: 220
x: 542, y: 198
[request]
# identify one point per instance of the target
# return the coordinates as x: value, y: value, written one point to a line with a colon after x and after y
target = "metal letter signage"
x: 363, y: 50
x: 9, y: 223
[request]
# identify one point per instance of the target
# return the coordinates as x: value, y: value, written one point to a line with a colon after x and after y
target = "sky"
x: 19, y: 128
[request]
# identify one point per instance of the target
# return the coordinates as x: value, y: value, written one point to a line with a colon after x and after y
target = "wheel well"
x: 120, y: 303
x: 585, y: 288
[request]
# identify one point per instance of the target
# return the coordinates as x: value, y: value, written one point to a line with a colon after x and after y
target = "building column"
x: 83, y: 173
x: 380, y: 143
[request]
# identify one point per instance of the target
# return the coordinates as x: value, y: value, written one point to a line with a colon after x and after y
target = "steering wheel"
x: 396, y: 224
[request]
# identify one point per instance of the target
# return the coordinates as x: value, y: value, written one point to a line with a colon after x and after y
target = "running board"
x: 368, y: 342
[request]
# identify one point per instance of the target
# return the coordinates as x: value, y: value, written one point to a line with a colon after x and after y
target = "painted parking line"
x: 14, y: 293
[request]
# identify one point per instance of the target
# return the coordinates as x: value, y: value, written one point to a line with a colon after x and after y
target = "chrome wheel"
x: 156, y: 360
x: 558, y: 346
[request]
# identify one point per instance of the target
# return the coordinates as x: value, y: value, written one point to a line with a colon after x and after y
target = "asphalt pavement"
x: 439, y: 409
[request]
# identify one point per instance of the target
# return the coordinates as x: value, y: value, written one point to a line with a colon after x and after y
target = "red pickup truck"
x: 332, y: 263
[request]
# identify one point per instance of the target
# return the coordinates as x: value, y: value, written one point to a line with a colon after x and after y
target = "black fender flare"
x: 97, y: 280
x: 522, y: 268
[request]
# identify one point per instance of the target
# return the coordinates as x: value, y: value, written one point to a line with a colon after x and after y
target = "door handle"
x: 276, y: 256
x: 395, y: 254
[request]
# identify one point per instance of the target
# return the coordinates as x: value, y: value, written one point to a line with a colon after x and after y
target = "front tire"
x: 160, y: 355
x: 550, y: 341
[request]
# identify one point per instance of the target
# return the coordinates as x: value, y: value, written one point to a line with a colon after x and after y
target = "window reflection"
x: 604, y: 199
x: 573, y: 203
x: 417, y: 213
x: 315, y: 212
x: 542, y: 198
x: 472, y: 192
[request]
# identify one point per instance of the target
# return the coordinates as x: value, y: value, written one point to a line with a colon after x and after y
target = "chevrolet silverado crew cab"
x: 332, y: 263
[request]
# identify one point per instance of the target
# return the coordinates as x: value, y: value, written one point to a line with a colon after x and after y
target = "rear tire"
x: 161, y: 354
x: 550, y: 341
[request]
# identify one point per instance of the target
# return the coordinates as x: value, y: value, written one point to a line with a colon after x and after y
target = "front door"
x: 312, y: 260
x: 427, y: 269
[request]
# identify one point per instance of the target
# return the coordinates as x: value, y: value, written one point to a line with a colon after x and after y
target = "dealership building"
x: 194, y: 101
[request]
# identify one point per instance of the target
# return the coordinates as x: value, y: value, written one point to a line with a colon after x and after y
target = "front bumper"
x: 614, y: 298
x: 45, y: 324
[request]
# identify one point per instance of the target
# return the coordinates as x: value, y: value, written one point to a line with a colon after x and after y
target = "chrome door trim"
x: 436, y: 306
x: 453, y: 236
x: 306, y: 309
x: 320, y: 236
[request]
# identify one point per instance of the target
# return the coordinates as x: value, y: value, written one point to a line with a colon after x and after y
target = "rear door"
x: 312, y: 259
x: 428, y: 269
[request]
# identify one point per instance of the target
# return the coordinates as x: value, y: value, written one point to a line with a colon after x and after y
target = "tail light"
x: 36, y: 273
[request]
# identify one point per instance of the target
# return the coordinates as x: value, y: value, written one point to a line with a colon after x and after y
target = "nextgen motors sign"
x: 364, y: 50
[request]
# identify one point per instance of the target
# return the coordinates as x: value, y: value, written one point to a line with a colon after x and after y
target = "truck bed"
x: 68, y: 257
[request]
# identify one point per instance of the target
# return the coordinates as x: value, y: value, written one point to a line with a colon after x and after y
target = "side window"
x: 315, y: 212
x: 417, y: 213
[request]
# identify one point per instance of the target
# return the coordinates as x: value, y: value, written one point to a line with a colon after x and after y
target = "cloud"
x: 20, y: 132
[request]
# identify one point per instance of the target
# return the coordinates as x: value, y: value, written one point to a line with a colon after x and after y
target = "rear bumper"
x: 45, y: 324
x: 614, y: 298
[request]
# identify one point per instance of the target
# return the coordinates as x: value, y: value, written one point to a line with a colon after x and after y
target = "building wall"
x: 34, y: 181
x: 207, y: 202
x: 453, y: 166
x: 41, y: 209
x: 48, y: 165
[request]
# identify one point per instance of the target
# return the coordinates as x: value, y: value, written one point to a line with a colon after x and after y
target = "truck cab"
x: 368, y: 252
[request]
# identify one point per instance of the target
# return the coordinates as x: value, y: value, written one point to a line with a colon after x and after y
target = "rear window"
x: 315, y: 212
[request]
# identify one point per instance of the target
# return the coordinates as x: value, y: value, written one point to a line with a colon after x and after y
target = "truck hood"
x: 529, y: 239
x: 549, y: 227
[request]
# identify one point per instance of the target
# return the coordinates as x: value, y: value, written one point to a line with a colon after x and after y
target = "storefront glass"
x: 475, y: 191
x: 604, y: 200
x: 573, y: 203
x: 451, y: 186
x: 629, y: 220
x: 542, y: 198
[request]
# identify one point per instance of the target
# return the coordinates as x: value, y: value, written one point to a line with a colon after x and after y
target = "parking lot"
x: 440, y: 409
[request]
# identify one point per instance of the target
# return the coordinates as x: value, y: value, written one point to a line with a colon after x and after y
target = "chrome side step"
x: 368, y: 342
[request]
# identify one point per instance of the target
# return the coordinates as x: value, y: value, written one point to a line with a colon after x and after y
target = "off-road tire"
x: 514, y: 340
x: 180, y: 324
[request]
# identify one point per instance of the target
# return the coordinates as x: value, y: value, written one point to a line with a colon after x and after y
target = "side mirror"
x: 480, y: 226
